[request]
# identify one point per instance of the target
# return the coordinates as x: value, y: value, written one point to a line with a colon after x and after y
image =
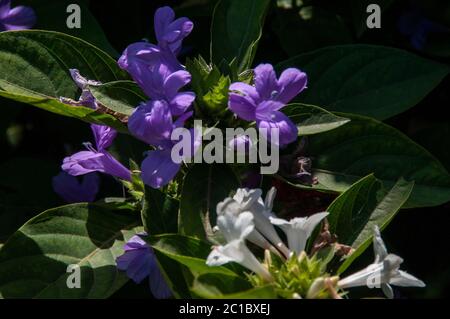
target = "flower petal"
x: 379, y: 247
x: 5, y: 6
x: 152, y: 123
x: 19, y: 18
x: 181, y: 103
x: 266, y: 110
x: 243, y: 106
x: 292, y: 82
x: 175, y: 81
x: 246, y: 90
x: 82, y: 163
x: 158, y: 169
x: 236, y: 227
x: 403, y: 279
x: 71, y: 190
x: 104, y: 136
x: 158, y: 285
x: 281, y: 125
x: 266, y: 81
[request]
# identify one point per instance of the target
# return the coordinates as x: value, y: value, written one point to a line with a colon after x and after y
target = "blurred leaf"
x: 33, y: 263
x: 365, y: 146
x: 311, y: 119
x: 309, y: 29
x: 204, y: 186
x: 430, y: 137
x: 236, y: 30
x: 52, y: 15
x: 370, y: 80
x: 159, y: 212
x: 121, y: 96
x: 354, y: 214
x: 38, y: 66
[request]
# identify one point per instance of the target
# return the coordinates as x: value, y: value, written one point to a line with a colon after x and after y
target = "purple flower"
x: 155, y: 67
x: 97, y: 160
x: 170, y: 32
x: 415, y: 26
x: 73, y: 191
x: 18, y: 18
x: 262, y: 102
x: 152, y: 123
x: 86, y: 98
x: 159, y: 74
x: 139, y: 262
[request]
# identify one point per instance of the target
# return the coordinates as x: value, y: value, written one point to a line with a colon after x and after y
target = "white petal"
x: 387, y: 290
x: 235, y: 227
x: 369, y: 276
x: 270, y: 198
x: 403, y: 279
x: 237, y: 251
x: 313, y: 221
x: 247, y: 197
x: 379, y: 247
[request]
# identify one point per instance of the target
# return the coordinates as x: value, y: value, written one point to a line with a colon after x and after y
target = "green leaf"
x: 159, y: 212
x: 37, y: 72
x: 365, y: 146
x: 188, y: 251
x: 90, y: 29
x: 55, y: 106
x: 219, y: 286
x: 350, y: 212
x: 216, y: 99
x: 376, y: 81
x: 354, y: 214
x: 121, y: 96
x: 34, y: 261
x: 236, y: 30
x: 203, y: 188
x: 311, y: 119
x: 210, y: 86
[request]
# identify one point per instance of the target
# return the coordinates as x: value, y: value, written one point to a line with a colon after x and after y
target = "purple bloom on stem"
x: 139, y: 262
x: 18, y: 18
x: 158, y: 169
x: 152, y: 123
x: 99, y: 159
x: 156, y: 68
x: 170, y: 32
x: 159, y: 74
x: 70, y: 188
x: 262, y: 102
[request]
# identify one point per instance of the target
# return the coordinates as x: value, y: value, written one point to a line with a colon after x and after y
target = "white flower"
x: 298, y: 230
x: 385, y: 271
x: 249, y: 200
x: 235, y: 231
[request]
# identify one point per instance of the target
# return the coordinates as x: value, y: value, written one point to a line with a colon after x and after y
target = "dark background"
x: 33, y: 142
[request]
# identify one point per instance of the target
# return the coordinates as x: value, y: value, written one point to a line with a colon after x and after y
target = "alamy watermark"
x: 236, y: 145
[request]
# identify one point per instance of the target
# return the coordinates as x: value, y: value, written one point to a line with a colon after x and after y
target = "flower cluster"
x: 161, y: 76
x: 247, y: 217
x: 17, y: 18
